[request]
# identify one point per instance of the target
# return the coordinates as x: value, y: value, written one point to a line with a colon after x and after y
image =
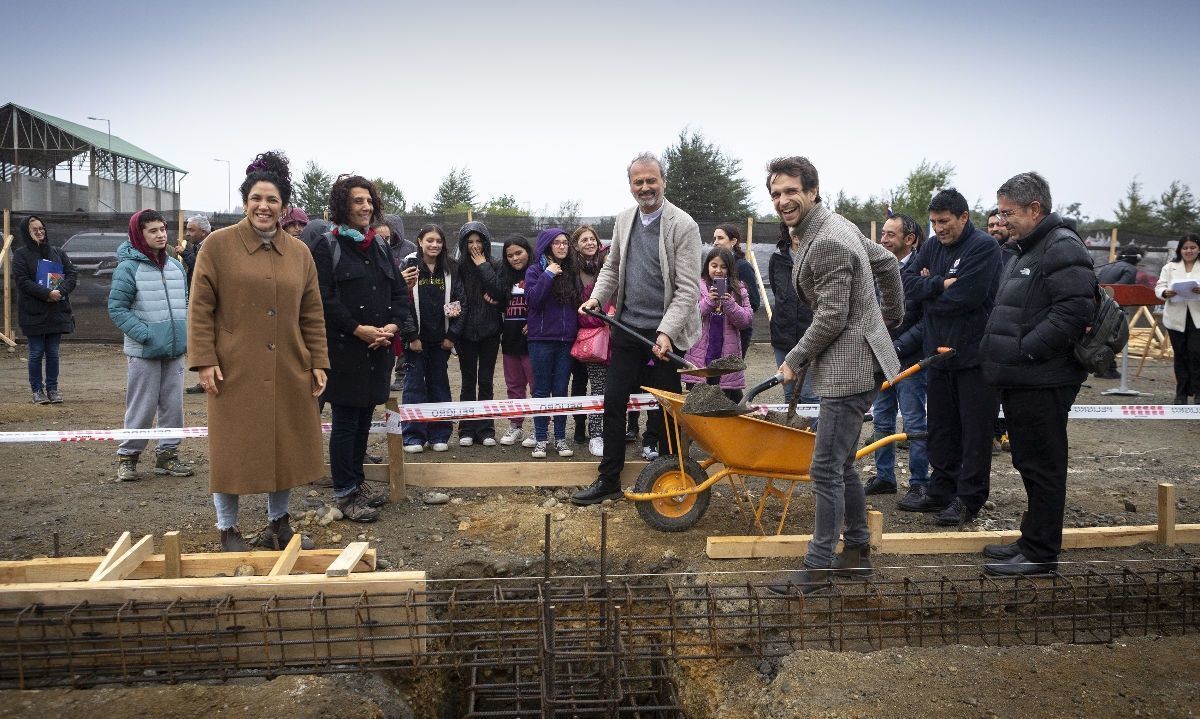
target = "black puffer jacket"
x: 480, y: 319
x: 790, y: 317
x: 36, y: 314
x: 1044, y: 303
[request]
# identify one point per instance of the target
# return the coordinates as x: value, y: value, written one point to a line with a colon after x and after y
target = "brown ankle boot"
x: 231, y: 541
x: 853, y: 562
x: 278, y: 533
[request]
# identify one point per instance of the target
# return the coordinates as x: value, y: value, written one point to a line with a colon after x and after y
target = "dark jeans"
x: 579, y: 384
x: 961, y: 411
x: 43, y: 346
x: 632, y: 366
x: 348, y: 446
x: 1186, y: 346
x: 551, y: 378
x: 837, y: 490
x: 426, y: 380
x: 1037, y: 431
x: 477, y: 363
x: 909, y: 397
x: 746, y: 336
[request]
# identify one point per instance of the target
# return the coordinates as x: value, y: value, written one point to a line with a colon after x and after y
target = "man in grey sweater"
x: 652, y: 276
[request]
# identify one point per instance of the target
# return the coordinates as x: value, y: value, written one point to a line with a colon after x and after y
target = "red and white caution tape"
x: 548, y: 406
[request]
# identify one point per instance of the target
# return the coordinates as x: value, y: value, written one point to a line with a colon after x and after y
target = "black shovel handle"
x: 763, y: 386
x: 634, y: 334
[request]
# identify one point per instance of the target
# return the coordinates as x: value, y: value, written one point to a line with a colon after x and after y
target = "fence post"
x: 179, y: 241
x: 6, y: 260
x: 1112, y: 246
x: 470, y: 215
x: 762, y: 290
x: 874, y: 237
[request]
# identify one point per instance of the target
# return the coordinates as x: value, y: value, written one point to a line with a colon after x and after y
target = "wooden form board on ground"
x: 480, y: 475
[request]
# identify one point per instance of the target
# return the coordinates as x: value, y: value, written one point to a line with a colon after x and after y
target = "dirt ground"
x: 70, y: 488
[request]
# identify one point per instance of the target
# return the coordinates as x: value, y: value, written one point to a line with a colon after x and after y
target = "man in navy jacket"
x: 959, y: 275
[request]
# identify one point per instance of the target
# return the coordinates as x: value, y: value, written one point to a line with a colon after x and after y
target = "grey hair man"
x: 848, y: 351
x: 652, y: 277
x: 1044, y: 303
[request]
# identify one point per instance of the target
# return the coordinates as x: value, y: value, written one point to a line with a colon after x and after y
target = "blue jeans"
x: 840, y: 501
x: 227, y: 507
x: 806, y: 392
x: 551, y: 378
x: 348, y: 446
x: 909, y: 396
x: 426, y: 380
x: 43, y: 346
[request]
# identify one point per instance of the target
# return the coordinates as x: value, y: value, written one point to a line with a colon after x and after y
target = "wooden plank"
x: 122, y: 545
x: 346, y: 561
x: 124, y: 565
x: 287, y: 558
x: 172, y: 568
x: 1166, y: 514
x: 397, y: 488
x: 875, y: 527
x: 511, y: 474
x: 203, y: 564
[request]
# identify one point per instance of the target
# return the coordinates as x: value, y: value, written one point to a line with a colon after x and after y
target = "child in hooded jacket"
x: 481, y: 320
x: 514, y: 342
x: 436, y: 308
x: 722, y: 318
x: 553, y: 295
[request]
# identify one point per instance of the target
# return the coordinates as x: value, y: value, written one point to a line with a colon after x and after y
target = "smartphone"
x: 411, y: 262
x: 721, y: 285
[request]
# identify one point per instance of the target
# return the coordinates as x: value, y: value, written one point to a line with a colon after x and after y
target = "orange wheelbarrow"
x: 672, y: 493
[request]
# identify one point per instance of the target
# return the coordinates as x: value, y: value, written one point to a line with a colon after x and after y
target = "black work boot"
x: 806, y: 581
x: 597, y: 492
x: 853, y: 562
x: 231, y: 541
x: 278, y: 533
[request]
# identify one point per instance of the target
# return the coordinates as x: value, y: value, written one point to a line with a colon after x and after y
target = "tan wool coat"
x: 256, y: 313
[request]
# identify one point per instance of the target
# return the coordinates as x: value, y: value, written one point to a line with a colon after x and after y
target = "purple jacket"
x: 738, y: 317
x: 549, y: 320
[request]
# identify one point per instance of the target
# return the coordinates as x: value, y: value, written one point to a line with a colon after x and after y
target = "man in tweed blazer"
x: 847, y: 349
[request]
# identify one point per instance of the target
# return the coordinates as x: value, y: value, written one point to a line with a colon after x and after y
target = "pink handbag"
x: 591, y: 345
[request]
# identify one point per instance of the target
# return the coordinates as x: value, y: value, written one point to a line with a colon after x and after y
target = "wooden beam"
x: 875, y: 527
x: 397, y: 489
x: 6, y: 260
x: 127, y: 562
x: 202, y: 564
x: 172, y: 566
x: 795, y: 545
x: 287, y: 558
x: 481, y: 475
x: 122, y: 545
x: 1166, y: 514
x: 347, y: 560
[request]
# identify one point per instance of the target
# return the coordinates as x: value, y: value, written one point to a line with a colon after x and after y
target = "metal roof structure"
x: 35, y: 143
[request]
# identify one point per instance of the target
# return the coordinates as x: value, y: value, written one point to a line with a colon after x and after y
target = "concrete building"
x: 44, y: 160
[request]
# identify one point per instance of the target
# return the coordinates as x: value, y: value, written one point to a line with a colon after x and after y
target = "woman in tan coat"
x: 256, y: 334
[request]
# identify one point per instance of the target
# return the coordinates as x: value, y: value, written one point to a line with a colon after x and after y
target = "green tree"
x: 1136, y: 214
x: 1178, y: 211
x: 312, y: 191
x: 391, y: 195
x: 912, y: 198
x: 503, y: 206
x: 455, y: 194
x: 705, y: 181
x: 860, y: 211
x: 568, y: 214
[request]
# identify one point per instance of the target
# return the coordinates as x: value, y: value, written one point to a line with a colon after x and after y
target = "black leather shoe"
x: 804, y: 581
x: 955, y: 514
x: 1001, y: 551
x: 1018, y: 566
x: 597, y: 492
x: 924, y: 503
x: 879, y: 486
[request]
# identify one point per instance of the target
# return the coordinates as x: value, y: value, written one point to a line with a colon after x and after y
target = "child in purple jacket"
x: 552, y: 293
x: 723, y: 315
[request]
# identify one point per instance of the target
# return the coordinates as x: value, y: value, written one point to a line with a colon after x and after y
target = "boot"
x: 167, y: 462
x: 853, y: 562
x: 278, y: 533
x: 127, y: 468
x: 398, y: 382
x: 597, y: 492
x: 231, y: 541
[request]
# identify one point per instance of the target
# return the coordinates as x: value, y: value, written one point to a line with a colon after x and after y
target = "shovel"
x: 688, y: 367
x: 743, y: 407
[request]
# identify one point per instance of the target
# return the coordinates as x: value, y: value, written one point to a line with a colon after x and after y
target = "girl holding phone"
x: 724, y: 312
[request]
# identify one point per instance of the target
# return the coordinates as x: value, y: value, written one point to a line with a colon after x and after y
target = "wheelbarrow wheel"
x: 672, y: 514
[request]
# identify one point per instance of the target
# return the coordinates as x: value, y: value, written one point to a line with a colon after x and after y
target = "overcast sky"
x: 549, y: 101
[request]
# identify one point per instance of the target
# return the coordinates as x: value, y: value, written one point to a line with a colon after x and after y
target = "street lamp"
x: 228, y: 183
x: 112, y: 165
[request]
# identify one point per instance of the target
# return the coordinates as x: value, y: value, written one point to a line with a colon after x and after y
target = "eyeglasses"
x: 1006, y: 214
x: 560, y: 243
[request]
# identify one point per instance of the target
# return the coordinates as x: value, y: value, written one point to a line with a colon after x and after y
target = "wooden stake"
x: 6, y: 261
x: 874, y: 236
x: 398, y: 490
x: 762, y: 289
x: 344, y: 564
x: 1166, y: 514
x: 180, y: 240
x: 122, y: 545
x: 1112, y: 246
x: 875, y: 527
x: 287, y: 558
x: 172, y: 558
x: 129, y: 561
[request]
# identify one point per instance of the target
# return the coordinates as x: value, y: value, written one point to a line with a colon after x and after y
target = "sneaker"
x: 54, y: 396
x: 528, y: 442
x: 167, y: 462
x: 355, y: 508
x: 512, y: 436
x: 539, y: 449
x: 440, y: 446
x: 195, y: 389
x: 374, y: 498
x: 489, y: 442
x: 465, y: 441
x: 596, y: 446
x: 564, y: 450
x: 39, y: 397
x: 415, y: 447
x: 879, y: 486
x: 649, y: 453
x: 127, y: 468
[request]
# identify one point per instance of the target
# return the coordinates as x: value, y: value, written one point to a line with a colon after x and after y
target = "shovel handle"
x: 943, y: 354
x: 763, y: 386
x: 614, y: 322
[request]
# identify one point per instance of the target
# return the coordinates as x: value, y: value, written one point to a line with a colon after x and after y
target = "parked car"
x: 94, y: 252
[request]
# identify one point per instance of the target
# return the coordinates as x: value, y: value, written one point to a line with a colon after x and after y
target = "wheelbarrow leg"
x: 787, y: 501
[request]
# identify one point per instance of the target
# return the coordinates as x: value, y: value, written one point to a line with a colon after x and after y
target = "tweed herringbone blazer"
x: 835, y: 273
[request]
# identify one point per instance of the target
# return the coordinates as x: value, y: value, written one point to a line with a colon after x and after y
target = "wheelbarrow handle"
x: 763, y: 386
x: 943, y: 354
x: 634, y: 334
